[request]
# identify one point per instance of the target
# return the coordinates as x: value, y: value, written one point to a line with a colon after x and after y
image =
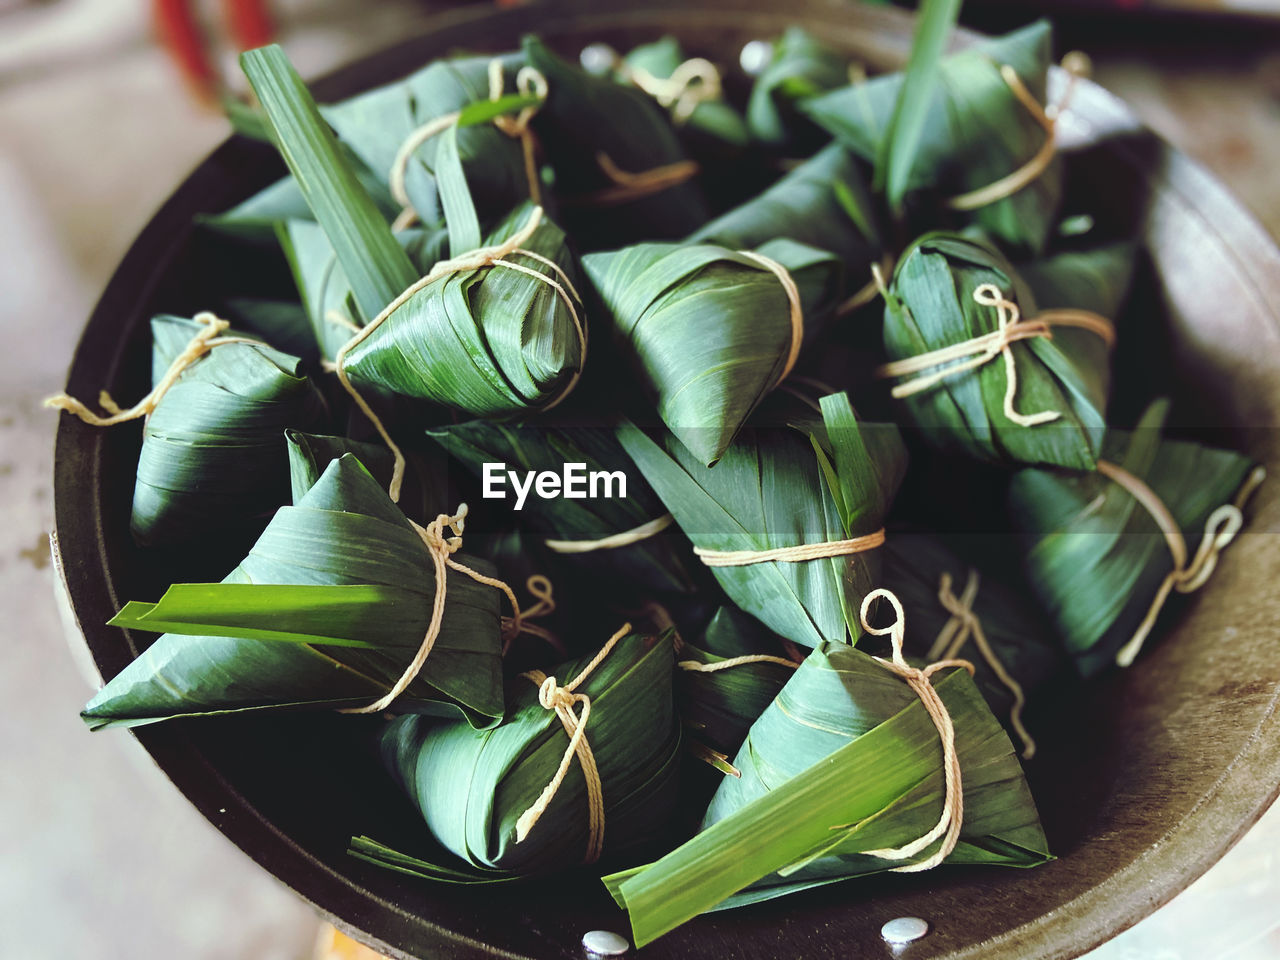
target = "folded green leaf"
x: 783, y: 486
x: 973, y: 132
x: 801, y: 67
x: 212, y: 457
x: 931, y: 306
x: 344, y: 531
x: 1095, y: 557
x: 656, y: 562
x: 472, y: 786
x: 376, y: 266
x: 823, y: 203
x: 846, y: 760
x: 707, y: 332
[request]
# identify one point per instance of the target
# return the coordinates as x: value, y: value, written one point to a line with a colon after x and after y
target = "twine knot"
x: 563, y: 699
x: 206, y: 338
x: 968, y: 355
x: 919, y: 679
x: 529, y: 82
x: 1189, y: 573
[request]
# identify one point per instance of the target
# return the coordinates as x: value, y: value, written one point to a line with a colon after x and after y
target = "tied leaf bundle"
x: 249, y: 646
x: 212, y: 455
x: 475, y: 788
x: 691, y: 91
x: 620, y: 171
x: 955, y: 611
x: 484, y: 336
x: 709, y: 332
x: 495, y: 330
x: 840, y: 770
x: 377, y: 124
x: 824, y: 486
x: 623, y: 538
x: 983, y: 370
x: 1104, y: 552
x: 801, y: 67
x: 980, y: 124
x: 823, y: 203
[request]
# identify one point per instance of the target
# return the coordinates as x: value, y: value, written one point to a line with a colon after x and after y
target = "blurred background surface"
x: 100, y: 857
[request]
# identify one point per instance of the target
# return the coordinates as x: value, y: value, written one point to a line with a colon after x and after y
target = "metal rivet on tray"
x: 596, y: 58
x: 605, y: 943
x: 904, y: 930
x: 755, y: 56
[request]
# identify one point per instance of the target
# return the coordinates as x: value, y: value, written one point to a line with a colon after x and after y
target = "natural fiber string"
x: 796, y: 312
x: 965, y: 625
x: 539, y: 587
x: 628, y: 186
x: 875, y: 287
x: 797, y: 554
x: 1188, y: 574
x: 696, y: 666
x: 441, y: 550
x: 693, y: 82
x: 949, y: 823
x: 529, y: 83
x: 493, y: 256
x: 200, y: 344
x: 613, y: 542
x: 1076, y: 65
x: 562, y: 700
x: 971, y: 354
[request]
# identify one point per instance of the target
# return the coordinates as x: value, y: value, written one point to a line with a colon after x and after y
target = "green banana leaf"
x: 472, y: 786
x: 713, y: 123
x: 718, y: 708
x: 823, y: 203
x: 707, y: 331
x: 974, y: 132
x: 802, y: 67
x: 1094, y: 556
x: 782, y: 486
x: 332, y: 313
x: 844, y: 761
x: 211, y: 453
x: 375, y: 124
x: 1023, y: 643
x: 344, y: 531
x: 931, y: 306
x: 586, y: 116
x: 658, y: 562
x: 426, y: 491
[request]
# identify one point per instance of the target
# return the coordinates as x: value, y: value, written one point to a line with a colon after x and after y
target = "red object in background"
x: 248, y: 24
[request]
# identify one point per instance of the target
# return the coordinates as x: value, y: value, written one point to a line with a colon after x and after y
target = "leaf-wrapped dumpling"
x: 956, y: 307
x: 825, y: 485
x: 344, y: 531
x: 1097, y: 559
x: 709, y: 332
x: 213, y: 456
x: 474, y: 788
